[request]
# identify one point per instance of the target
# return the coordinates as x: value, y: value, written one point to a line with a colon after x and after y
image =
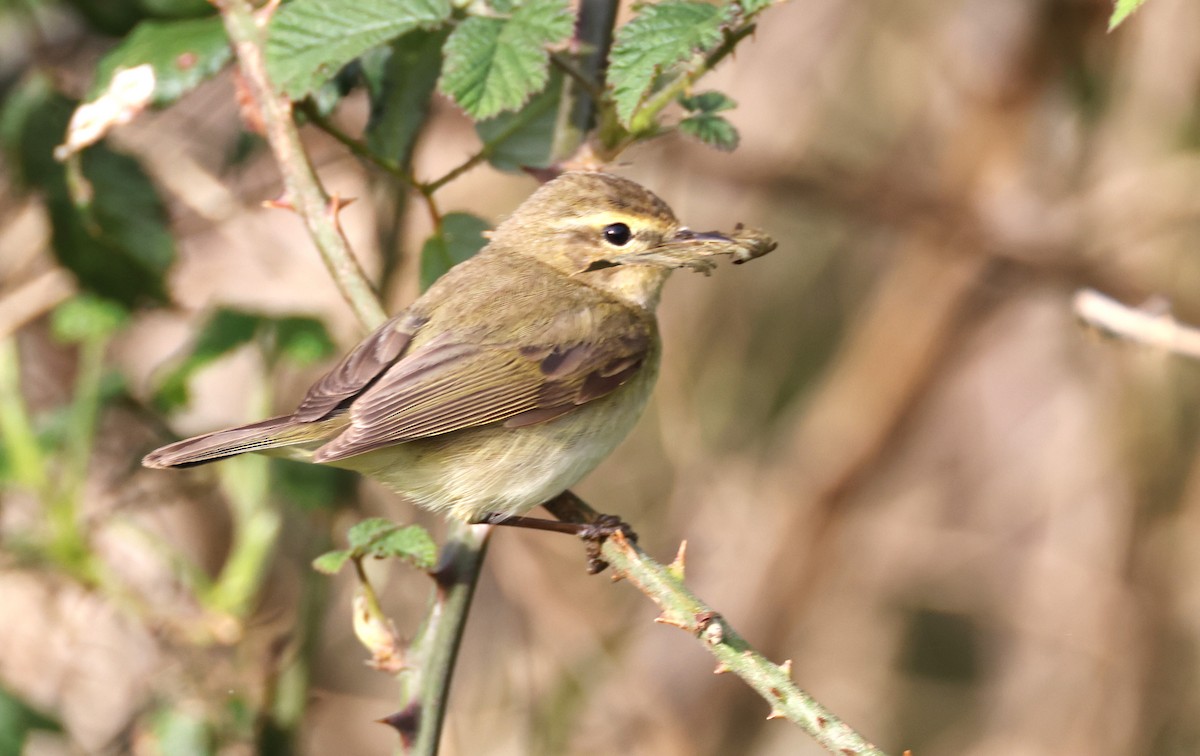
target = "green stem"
x: 355, y: 146
x: 663, y: 584
x: 256, y: 524
x: 68, y: 541
x: 425, y: 681
x: 302, y: 189
x: 16, y: 430
x: 518, y: 122
x: 85, y: 410
x: 646, y: 117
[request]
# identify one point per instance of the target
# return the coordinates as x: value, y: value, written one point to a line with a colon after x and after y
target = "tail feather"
x: 271, y: 433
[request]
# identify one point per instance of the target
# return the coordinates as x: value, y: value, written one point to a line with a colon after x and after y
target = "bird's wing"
x: 358, y: 369
x: 447, y: 385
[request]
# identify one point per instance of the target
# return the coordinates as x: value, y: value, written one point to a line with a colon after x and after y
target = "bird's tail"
x: 271, y: 433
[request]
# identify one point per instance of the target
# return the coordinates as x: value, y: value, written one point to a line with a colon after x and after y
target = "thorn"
x: 406, y: 722
x: 721, y: 669
x: 279, y: 203
x: 263, y: 16
x: 337, y: 203
x: 775, y: 714
x: 678, y: 565
x: 663, y: 619
x: 786, y: 668
x: 616, y: 577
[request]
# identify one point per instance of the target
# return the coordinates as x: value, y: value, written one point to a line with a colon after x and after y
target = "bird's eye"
x: 617, y: 234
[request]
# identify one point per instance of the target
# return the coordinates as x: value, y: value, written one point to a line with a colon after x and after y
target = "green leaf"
x: 411, y: 543
x: 122, y: 248
x: 87, y: 318
x: 310, y: 40
x: 302, y: 340
x: 708, y: 102
x: 17, y: 719
x: 461, y: 236
x: 1123, y: 10
x: 225, y: 331
x: 711, y: 129
x: 659, y: 37
x: 401, y: 100
x: 331, y: 562
x: 119, y: 246
x: 525, y: 139
x: 182, y: 732
x: 182, y: 53
x: 363, y: 534
x: 380, y: 538
x: 497, y: 64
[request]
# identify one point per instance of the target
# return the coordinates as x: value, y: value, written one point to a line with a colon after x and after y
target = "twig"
x: 438, y: 642
x: 302, y: 190
x: 1158, y: 329
x: 356, y: 146
x: 425, y: 682
x: 647, y: 115
x: 663, y: 584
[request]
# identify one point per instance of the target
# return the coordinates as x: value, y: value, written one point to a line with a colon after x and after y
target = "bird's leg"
x: 575, y: 517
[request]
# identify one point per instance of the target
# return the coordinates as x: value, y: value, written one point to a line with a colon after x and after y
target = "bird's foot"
x: 595, y: 533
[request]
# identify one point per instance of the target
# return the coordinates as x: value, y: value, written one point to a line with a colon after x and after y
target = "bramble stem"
x: 663, y: 584
x: 301, y: 187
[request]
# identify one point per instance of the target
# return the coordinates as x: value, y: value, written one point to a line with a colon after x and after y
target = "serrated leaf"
x: 497, y: 64
x: 461, y: 236
x: 1123, y: 10
x: 711, y: 129
x: 401, y: 99
x: 708, y: 102
x: 310, y: 40
x: 87, y: 318
x: 331, y: 562
x: 362, y: 534
x: 659, y: 37
x: 380, y: 538
x: 182, y: 53
x: 525, y: 139
x: 411, y: 543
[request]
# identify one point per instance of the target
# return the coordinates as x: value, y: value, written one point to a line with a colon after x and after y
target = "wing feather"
x: 358, y: 369
x: 442, y: 386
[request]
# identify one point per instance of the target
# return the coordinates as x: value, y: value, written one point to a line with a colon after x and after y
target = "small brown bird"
x: 516, y: 373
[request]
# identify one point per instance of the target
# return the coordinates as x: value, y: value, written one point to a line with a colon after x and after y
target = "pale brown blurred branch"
x: 1157, y: 329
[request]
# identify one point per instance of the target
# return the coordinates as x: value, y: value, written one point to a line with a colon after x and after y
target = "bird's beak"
x: 685, y: 249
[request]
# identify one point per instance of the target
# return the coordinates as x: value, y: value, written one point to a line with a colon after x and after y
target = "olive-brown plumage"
x: 515, y: 373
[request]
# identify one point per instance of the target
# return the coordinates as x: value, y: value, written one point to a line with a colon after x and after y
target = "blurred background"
x: 896, y: 457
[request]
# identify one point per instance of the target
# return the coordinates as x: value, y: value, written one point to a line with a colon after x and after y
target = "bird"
x: 515, y: 373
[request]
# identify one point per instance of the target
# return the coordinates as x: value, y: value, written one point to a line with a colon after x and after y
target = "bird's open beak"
x: 697, y: 250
